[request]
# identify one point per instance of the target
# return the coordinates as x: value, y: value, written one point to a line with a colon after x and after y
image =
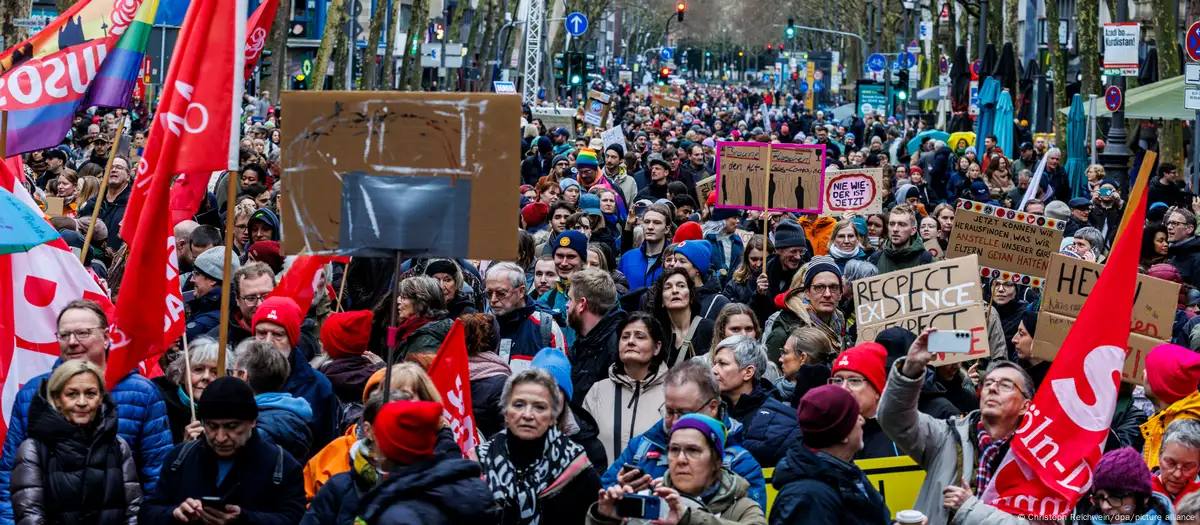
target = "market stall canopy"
x: 1162, y: 100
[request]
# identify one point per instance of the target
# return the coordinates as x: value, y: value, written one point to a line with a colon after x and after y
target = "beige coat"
x: 624, y: 408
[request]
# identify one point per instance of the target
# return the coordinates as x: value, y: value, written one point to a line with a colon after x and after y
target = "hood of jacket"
x: 209, y: 302
x: 454, y: 486
x: 657, y: 377
x: 803, y: 463
x: 284, y: 401
x: 349, y: 375
x: 48, y: 425
x: 908, y: 252
x: 267, y: 216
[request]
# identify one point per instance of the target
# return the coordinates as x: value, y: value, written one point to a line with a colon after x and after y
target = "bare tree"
x: 370, y: 67
x: 390, y: 48
x: 1088, y: 40
x: 1058, y: 65
x: 1170, y: 137
x: 333, y: 27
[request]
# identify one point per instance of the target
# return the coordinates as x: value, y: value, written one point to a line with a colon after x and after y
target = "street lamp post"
x: 1115, y: 158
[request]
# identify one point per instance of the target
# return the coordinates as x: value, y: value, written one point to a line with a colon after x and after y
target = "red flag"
x: 301, y: 280
x: 451, y: 374
x: 1054, y: 451
x: 186, y: 195
x: 194, y: 119
x: 257, y: 31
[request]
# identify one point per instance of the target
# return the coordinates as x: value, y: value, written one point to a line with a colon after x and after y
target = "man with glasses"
x: 691, y: 388
x: 814, y: 302
x: 113, y: 203
x: 861, y: 371
x: 1184, y: 249
x: 83, y: 334
x: 946, y: 448
x: 524, y: 330
x: 251, y: 284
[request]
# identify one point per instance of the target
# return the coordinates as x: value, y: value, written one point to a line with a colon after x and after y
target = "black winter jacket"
x: 769, y: 426
x: 818, y: 489
x: 594, y: 353
x: 485, y: 404
x: 178, y: 413
x: 1185, y: 255
x: 68, y: 474
x: 265, y: 481
x: 337, y: 501
x: 432, y: 492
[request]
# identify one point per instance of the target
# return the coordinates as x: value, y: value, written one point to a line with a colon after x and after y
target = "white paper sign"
x: 1121, y: 47
x: 1191, y: 98
x: 614, y: 136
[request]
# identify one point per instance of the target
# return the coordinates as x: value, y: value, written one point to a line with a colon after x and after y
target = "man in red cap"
x: 277, y: 321
x: 345, y: 337
x: 421, y: 487
x: 861, y: 371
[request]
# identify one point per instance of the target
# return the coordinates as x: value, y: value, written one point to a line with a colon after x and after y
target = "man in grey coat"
x: 950, y: 451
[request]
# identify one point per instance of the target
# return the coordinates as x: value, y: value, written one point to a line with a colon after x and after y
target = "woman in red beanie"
x: 344, y: 338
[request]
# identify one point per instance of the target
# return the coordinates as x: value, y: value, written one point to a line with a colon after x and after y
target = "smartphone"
x: 213, y: 502
x: 1106, y: 192
x: 630, y: 467
x: 950, y: 342
x: 642, y: 507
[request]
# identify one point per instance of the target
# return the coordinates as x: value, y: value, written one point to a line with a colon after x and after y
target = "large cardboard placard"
x: 795, y: 184
x: 1012, y: 245
x: 1068, y: 285
x: 854, y: 190
x: 667, y: 96
x: 944, y: 295
x: 462, y: 137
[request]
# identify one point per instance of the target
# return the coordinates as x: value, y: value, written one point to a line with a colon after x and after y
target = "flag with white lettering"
x: 451, y: 374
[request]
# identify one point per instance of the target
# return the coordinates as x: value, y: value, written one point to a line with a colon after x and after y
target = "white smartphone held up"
x: 950, y: 342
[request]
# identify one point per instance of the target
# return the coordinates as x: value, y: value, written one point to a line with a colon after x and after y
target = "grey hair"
x: 857, y: 269
x: 516, y: 276
x: 1026, y: 379
x: 1054, y: 150
x: 426, y: 295
x: 697, y: 372
x: 535, y: 375
x: 201, y: 350
x: 746, y: 352
x: 1093, y: 237
x: 1186, y: 432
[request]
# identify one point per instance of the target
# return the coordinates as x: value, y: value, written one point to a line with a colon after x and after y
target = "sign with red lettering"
x: 945, y: 295
x: 1068, y: 286
x: 1012, y: 245
x: 854, y: 191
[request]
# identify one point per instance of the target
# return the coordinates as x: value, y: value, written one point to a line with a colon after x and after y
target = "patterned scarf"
x: 360, y: 462
x: 835, y: 329
x: 988, y: 449
x: 519, y: 489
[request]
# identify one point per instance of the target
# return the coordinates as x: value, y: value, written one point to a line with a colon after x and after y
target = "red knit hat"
x: 347, y: 333
x: 1172, y: 372
x: 867, y: 359
x: 535, y: 213
x: 282, y: 311
x: 688, y: 231
x: 406, y: 431
x: 266, y: 252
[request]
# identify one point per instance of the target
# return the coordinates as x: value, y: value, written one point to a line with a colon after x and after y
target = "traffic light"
x: 902, y: 85
x: 781, y: 47
x: 795, y: 75
x: 791, y: 28
x: 560, y: 67
x: 680, y: 7
x: 740, y: 54
x: 299, y: 82
x: 267, y: 61
x: 439, y: 32
x: 664, y: 75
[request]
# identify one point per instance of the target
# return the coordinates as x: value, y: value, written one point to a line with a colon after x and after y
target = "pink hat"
x: 1172, y: 372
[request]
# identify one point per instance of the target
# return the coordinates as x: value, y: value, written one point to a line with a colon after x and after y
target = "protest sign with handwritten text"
x: 795, y: 183
x: 1012, y: 245
x: 944, y: 295
x: 855, y: 191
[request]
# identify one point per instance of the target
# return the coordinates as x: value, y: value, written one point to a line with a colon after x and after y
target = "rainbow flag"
x: 48, y: 77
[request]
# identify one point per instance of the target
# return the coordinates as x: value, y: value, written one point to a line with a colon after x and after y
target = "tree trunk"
x: 278, y: 80
x: 406, y: 46
x: 1170, y: 137
x: 995, y: 24
x: 12, y: 10
x: 389, y: 56
x: 512, y: 37
x: 1088, y: 40
x: 1058, y: 64
x: 1010, y: 22
x: 486, y: 53
x: 420, y: 19
x: 370, y: 67
x: 333, y: 28
x: 341, y: 55
x: 453, y: 29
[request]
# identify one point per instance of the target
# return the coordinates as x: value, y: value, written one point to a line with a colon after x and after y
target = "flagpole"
x: 342, y: 287
x: 87, y: 239
x: 235, y: 125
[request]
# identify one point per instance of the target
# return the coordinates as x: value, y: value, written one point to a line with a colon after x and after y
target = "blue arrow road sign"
x: 876, y: 62
x: 817, y: 86
x: 666, y: 53
x: 577, y: 24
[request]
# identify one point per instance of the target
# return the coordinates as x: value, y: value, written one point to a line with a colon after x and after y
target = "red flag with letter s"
x: 192, y: 122
x: 451, y: 374
x: 1058, y: 443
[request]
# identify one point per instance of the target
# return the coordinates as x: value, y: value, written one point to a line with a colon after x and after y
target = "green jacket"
x: 730, y: 506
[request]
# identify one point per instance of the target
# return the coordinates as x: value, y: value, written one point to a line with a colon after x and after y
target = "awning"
x: 1162, y: 100
x: 929, y: 93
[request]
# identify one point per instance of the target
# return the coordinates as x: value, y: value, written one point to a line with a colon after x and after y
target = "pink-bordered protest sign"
x: 796, y: 181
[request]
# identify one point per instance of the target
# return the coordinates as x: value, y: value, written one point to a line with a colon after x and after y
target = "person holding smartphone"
x: 1107, y: 208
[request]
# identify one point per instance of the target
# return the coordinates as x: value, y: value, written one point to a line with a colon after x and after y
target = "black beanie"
x: 442, y: 266
x: 227, y: 398
x: 789, y: 234
x: 1029, y: 318
x: 617, y: 148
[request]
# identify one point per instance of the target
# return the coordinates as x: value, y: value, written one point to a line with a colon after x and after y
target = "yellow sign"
x: 811, y: 95
x: 897, y: 479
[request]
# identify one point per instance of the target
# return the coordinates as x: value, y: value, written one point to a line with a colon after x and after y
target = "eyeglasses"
x: 81, y: 335
x: 498, y: 294
x: 1175, y: 224
x: 822, y: 289
x: 1169, y: 464
x: 1113, y: 500
x: 1004, y: 386
x: 1003, y: 284
x: 691, y: 453
x: 253, y: 299
x: 853, y: 383
x: 676, y: 414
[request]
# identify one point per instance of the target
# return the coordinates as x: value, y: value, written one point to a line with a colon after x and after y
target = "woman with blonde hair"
x: 847, y: 243
x: 74, y: 468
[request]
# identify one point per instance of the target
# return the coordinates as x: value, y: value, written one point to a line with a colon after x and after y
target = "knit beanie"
x: 347, y: 333
x: 573, y: 240
x: 441, y: 266
x: 227, y: 398
x: 587, y: 159
x: 1165, y: 272
x: 789, y: 234
x: 617, y: 148
x: 406, y: 431
x: 867, y: 359
x: 699, y: 253
x: 818, y: 265
x: 266, y: 252
x: 282, y: 311
x: 1172, y: 372
x: 555, y: 361
x: 535, y: 214
x: 567, y: 183
x: 688, y: 231
x: 827, y: 414
x: 562, y: 157
x: 711, y: 428
x: 374, y: 381
x: 1120, y: 470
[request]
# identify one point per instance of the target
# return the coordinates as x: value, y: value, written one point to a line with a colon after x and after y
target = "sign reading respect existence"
x: 1012, y: 245
x: 1068, y: 285
x: 944, y: 295
x: 795, y: 182
x: 855, y: 191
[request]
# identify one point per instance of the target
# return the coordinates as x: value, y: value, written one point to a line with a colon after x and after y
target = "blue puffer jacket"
x: 649, y: 452
x: 315, y: 388
x: 141, y: 422
x: 283, y: 420
x: 432, y: 492
x: 203, y: 313
x: 718, y: 261
x: 638, y: 269
x: 769, y: 426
